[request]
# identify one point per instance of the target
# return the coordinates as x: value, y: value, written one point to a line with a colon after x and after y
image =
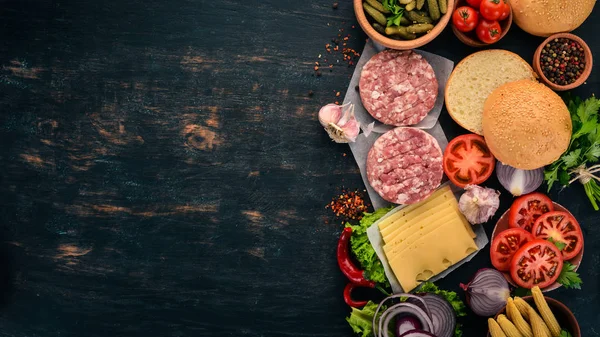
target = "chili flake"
x: 349, y: 205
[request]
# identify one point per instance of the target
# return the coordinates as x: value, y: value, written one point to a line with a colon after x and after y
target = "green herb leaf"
x: 593, y: 153
x: 559, y: 244
x: 563, y: 177
x: 568, y: 277
x: 522, y: 292
x: 587, y: 127
x: 364, y: 252
x: 571, y: 159
x: 587, y: 110
x: 565, y: 333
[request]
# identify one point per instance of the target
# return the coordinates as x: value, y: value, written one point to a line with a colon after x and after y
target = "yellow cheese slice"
x: 413, y: 214
x: 432, y: 254
x: 414, y: 234
x: 425, y: 218
x: 387, y: 222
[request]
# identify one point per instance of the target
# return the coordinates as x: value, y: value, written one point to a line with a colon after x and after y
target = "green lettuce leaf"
x: 361, y: 320
x: 364, y: 252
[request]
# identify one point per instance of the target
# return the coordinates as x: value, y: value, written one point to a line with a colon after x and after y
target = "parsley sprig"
x: 568, y: 277
x: 578, y: 162
x: 396, y: 12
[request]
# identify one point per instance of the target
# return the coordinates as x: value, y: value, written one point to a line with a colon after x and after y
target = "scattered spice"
x: 310, y: 93
x: 348, y: 205
x: 562, y: 61
x: 335, y: 5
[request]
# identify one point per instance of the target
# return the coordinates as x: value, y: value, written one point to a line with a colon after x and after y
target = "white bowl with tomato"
x: 479, y: 23
x: 534, y: 240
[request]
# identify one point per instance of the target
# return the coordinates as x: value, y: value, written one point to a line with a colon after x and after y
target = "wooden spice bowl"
x: 587, y: 52
x: 400, y: 44
x: 566, y: 319
x: 502, y: 225
x: 470, y: 38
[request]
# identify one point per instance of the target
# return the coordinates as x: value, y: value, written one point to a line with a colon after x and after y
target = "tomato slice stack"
x: 468, y: 161
x: 537, y: 243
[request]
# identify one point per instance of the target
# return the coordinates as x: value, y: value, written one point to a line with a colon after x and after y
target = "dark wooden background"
x: 163, y: 173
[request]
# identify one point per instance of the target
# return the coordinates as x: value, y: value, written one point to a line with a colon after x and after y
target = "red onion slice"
x: 418, y: 333
x: 420, y: 312
x: 442, y: 315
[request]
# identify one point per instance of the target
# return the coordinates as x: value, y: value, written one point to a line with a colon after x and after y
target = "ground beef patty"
x: 398, y: 87
x: 404, y: 166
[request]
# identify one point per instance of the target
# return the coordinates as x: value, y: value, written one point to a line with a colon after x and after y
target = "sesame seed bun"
x: 546, y: 17
x: 526, y: 125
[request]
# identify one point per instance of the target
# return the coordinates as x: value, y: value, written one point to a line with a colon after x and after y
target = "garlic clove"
x: 351, y: 129
x: 368, y: 129
x: 340, y: 122
x: 330, y: 114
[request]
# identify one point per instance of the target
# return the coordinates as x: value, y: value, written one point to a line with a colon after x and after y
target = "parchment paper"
x: 377, y: 243
x: 441, y: 66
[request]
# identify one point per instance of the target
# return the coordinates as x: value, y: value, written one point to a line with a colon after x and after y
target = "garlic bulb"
x: 478, y: 204
x: 341, y: 125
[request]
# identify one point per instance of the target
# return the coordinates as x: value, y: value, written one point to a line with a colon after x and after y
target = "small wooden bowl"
x: 563, y: 315
x: 470, y: 38
x: 399, y: 44
x: 502, y: 225
x: 586, y: 72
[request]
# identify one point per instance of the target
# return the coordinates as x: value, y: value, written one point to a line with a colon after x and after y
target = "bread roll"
x: 475, y: 77
x: 526, y: 125
x: 546, y: 17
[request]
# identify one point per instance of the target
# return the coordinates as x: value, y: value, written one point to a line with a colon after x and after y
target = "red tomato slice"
x: 527, y: 208
x: 467, y: 160
x: 505, y: 244
x: 537, y: 263
x: 563, y: 228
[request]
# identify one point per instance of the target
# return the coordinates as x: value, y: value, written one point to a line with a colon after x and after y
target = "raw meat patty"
x: 398, y: 87
x: 404, y: 166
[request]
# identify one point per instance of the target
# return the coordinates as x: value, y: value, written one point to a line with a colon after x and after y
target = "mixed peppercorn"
x: 562, y: 61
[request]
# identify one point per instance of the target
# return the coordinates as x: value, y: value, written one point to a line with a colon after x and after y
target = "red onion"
x: 517, y: 181
x: 487, y: 292
x: 419, y: 312
x: 407, y: 323
x: 418, y: 333
x: 442, y: 315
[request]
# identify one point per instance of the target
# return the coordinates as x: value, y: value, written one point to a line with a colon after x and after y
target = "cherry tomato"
x: 563, y: 229
x: 488, y: 31
x: 474, y: 3
x: 491, y: 9
x: 526, y: 209
x: 465, y: 19
x: 468, y: 161
x: 537, y: 263
x: 505, y: 245
x: 505, y: 11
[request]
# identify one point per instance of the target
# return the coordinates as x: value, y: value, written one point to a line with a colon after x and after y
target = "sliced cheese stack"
x: 424, y: 239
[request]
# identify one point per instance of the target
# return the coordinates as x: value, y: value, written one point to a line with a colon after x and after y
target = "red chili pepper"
x: 355, y: 275
x: 348, y: 296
